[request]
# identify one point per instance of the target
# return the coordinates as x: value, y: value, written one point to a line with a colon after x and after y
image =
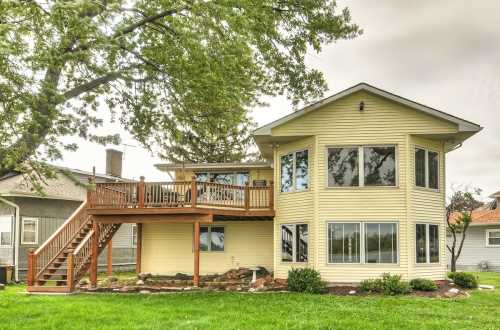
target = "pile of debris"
x: 241, y: 279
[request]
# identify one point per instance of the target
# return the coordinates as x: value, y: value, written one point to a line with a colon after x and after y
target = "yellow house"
x: 352, y: 186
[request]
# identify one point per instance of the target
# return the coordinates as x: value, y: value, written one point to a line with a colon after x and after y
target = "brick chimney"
x: 114, y: 162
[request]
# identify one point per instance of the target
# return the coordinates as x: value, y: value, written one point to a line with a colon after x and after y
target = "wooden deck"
x: 180, y: 201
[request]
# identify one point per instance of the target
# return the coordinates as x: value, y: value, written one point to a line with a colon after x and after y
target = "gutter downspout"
x: 17, y: 228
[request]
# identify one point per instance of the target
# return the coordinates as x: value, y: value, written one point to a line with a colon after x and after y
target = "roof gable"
x: 463, y: 125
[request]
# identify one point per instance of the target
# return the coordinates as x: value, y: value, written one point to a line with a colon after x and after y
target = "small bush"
x: 305, y: 280
x: 372, y: 285
x: 394, y: 286
x: 388, y: 285
x: 423, y: 284
x: 464, y: 280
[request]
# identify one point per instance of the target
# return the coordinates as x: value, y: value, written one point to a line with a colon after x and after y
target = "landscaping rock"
x: 143, y: 276
x: 139, y: 282
x: 144, y: 292
x: 451, y: 293
x: 127, y: 289
x: 83, y: 282
x: 112, y: 279
x: 252, y: 290
x: 486, y: 287
x: 352, y: 292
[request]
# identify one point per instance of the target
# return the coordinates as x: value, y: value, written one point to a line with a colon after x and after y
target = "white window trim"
x: 10, y: 232
x: 210, y: 239
x: 362, y: 244
x: 35, y: 220
x: 134, y: 226
x: 426, y: 168
x: 294, y: 246
x: 294, y: 170
x: 488, y: 231
x: 428, y: 244
x: 361, y: 166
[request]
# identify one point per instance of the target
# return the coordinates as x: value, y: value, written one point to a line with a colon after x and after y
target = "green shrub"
x: 372, y: 285
x: 423, y: 284
x: 394, y: 286
x: 305, y: 280
x: 388, y: 285
x: 464, y: 280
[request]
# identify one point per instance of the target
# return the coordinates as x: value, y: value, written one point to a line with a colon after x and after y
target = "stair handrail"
x: 36, y: 266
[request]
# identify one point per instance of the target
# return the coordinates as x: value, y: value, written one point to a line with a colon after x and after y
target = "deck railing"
x: 180, y: 194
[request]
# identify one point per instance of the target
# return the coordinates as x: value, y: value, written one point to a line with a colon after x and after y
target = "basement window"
x: 212, y: 238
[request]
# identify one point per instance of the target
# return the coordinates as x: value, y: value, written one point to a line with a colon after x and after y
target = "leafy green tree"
x: 152, y: 64
x: 458, y: 220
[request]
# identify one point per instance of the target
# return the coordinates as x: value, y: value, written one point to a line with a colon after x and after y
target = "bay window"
x: 294, y: 243
x: 427, y: 243
x: 380, y: 244
x: 295, y: 171
x: 426, y: 168
x: 361, y: 166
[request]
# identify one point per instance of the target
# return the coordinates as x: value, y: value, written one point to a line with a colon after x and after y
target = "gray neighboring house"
x: 481, y: 249
x: 27, y: 220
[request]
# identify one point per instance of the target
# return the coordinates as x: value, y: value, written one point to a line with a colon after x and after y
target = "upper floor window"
x: 362, y: 166
x: 426, y: 168
x: 295, y: 171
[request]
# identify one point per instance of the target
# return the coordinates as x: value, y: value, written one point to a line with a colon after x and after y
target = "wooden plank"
x: 138, y: 250
x: 183, y: 210
x: 48, y: 289
x: 196, y: 272
x: 154, y: 218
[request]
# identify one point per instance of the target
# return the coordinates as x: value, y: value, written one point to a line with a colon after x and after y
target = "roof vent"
x: 361, y: 106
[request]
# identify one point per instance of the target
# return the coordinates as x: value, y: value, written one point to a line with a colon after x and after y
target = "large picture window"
x: 212, y: 238
x: 234, y: 178
x: 426, y: 168
x: 5, y: 230
x: 344, y: 243
x: 29, y: 233
x: 380, y: 243
x: 294, y: 243
x: 295, y: 171
x: 427, y: 243
x: 362, y: 166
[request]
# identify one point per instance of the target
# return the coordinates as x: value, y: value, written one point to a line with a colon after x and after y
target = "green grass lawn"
x: 249, y: 311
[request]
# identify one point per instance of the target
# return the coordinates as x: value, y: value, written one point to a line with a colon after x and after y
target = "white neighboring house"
x: 481, y: 249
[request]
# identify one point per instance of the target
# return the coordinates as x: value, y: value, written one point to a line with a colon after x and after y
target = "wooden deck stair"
x: 67, y: 255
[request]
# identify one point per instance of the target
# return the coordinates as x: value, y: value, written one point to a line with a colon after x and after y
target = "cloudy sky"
x: 442, y: 53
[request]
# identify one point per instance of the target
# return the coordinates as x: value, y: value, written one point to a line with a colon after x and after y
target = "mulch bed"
x: 442, y: 292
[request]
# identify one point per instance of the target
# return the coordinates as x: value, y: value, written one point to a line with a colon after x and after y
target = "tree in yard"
x: 157, y: 66
x: 458, y: 219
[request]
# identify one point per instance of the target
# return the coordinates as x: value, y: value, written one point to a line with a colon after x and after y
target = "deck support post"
x: 138, y: 249
x: 109, y: 259
x: 93, y: 256
x: 194, y: 192
x: 31, y: 267
x: 70, y: 276
x: 247, y: 196
x: 271, y: 195
x: 196, y: 272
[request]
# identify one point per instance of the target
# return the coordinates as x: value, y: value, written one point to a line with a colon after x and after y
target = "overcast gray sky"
x: 442, y: 53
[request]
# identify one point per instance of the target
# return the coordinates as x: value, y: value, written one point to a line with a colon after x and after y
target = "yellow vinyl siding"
x: 294, y: 206
x: 383, y: 122
x: 168, y: 248
x: 427, y: 206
